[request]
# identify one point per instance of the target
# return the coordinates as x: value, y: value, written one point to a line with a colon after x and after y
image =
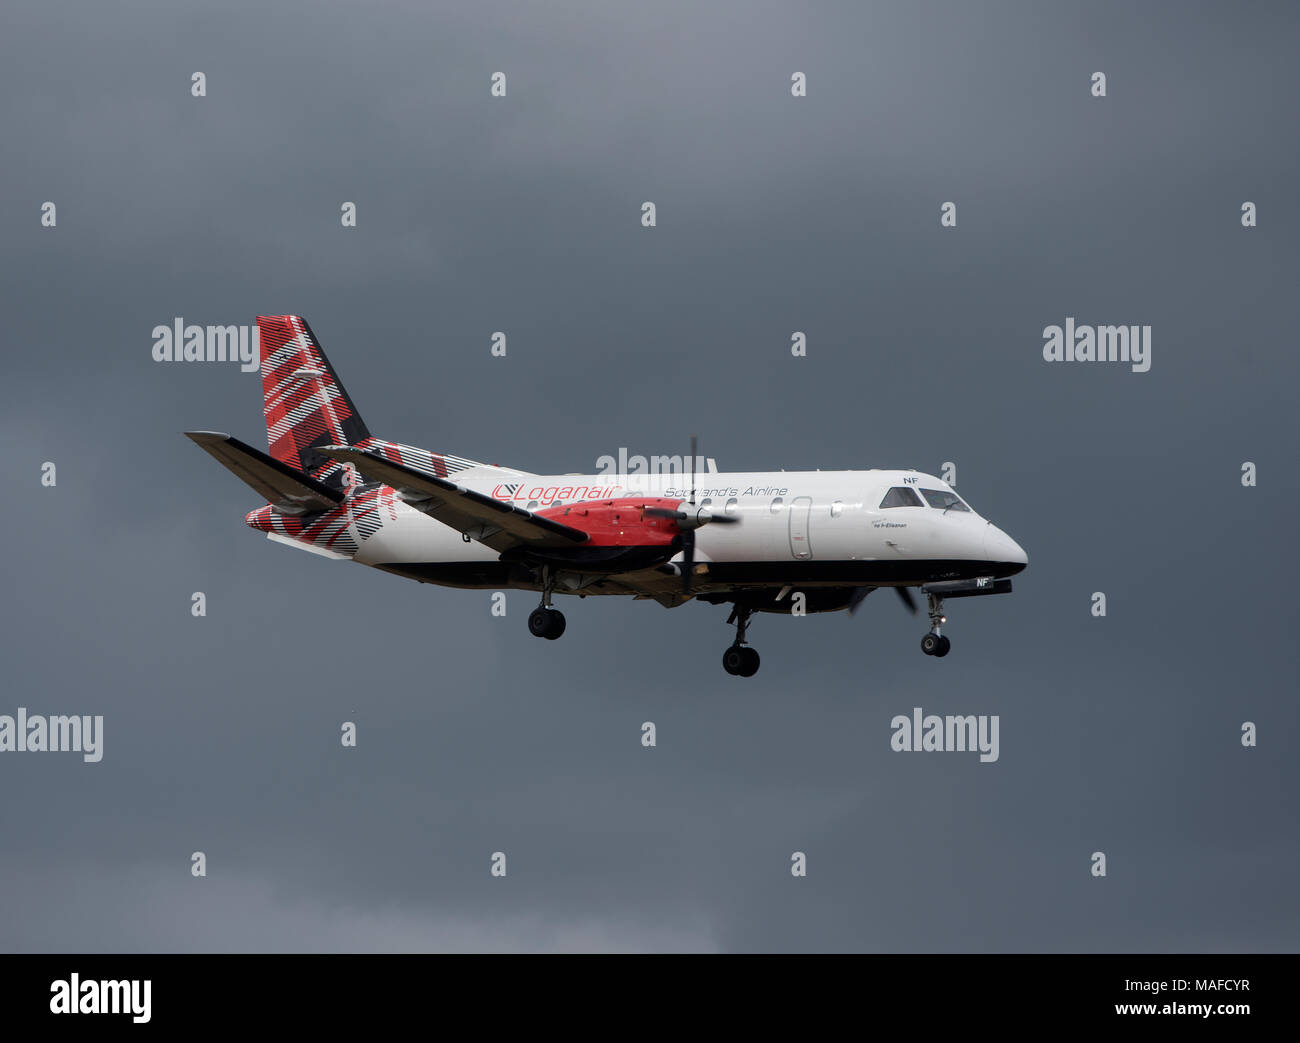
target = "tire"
x: 733, y: 660
x: 555, y: 625
x: 750, y: 667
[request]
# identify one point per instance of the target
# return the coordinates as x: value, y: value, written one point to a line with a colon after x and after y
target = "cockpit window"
x: 901, y: 496
x: 943, y: 499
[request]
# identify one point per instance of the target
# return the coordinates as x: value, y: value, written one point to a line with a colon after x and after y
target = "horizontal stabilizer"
x: 288, y: 490
x: 496, y: 524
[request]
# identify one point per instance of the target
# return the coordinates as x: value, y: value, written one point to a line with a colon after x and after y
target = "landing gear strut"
x: 934, y: 643
x: 545, y: 621
x: 740, y: 659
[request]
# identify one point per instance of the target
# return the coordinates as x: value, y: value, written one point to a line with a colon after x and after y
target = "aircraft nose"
x: 1001, y: 548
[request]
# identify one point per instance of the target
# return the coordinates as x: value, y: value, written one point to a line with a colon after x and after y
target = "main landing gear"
x: 545, y: 621
x: 934, y: 643
x: 740, y: 659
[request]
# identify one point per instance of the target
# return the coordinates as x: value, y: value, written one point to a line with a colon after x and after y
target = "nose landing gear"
x: 934, y: 643
x: 740, y: 660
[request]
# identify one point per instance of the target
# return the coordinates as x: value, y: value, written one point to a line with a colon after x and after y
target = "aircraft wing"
x: 500, y: 526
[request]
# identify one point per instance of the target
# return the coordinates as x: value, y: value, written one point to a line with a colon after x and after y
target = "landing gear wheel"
x: 734, y: 660
x: 934, y: 643
x: 539, y: 622
x: 740, y: 660
x: 546, y: 622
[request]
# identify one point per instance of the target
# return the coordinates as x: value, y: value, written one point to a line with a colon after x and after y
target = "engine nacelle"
x: 623, y: 522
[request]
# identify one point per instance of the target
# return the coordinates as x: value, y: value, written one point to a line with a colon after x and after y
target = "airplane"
x: 786, y: 542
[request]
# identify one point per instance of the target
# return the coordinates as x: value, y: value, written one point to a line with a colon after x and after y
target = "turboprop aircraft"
x: 788, y: 542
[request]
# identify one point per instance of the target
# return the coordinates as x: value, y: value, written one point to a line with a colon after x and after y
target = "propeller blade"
x: 858, y: 596
x: 693, y: 449
x: 908, y: 600
x: 688, y: 535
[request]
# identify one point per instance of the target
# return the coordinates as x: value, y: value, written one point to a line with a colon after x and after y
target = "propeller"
x: 859, y: 595
x: 688, y: 534
x: 689, y: 518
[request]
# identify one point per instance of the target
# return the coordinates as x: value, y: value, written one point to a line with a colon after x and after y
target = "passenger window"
x: 777, y: 504
x: 837, y: 508
x: 731, y: 506
x: 900, y: 496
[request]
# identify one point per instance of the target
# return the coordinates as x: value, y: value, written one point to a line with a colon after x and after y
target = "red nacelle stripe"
x: 619, y: 523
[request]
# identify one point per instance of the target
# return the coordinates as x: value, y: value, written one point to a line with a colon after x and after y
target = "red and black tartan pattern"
x: 439, y: 464
x: 304, y: 403
x: 367, y: 510
x: 306, y: 407
x: 366, y: 506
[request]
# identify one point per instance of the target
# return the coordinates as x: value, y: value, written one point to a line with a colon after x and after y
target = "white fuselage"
x: 806, y: 528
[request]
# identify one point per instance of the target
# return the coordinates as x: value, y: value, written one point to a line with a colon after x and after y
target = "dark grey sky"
x: 522, y: 214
